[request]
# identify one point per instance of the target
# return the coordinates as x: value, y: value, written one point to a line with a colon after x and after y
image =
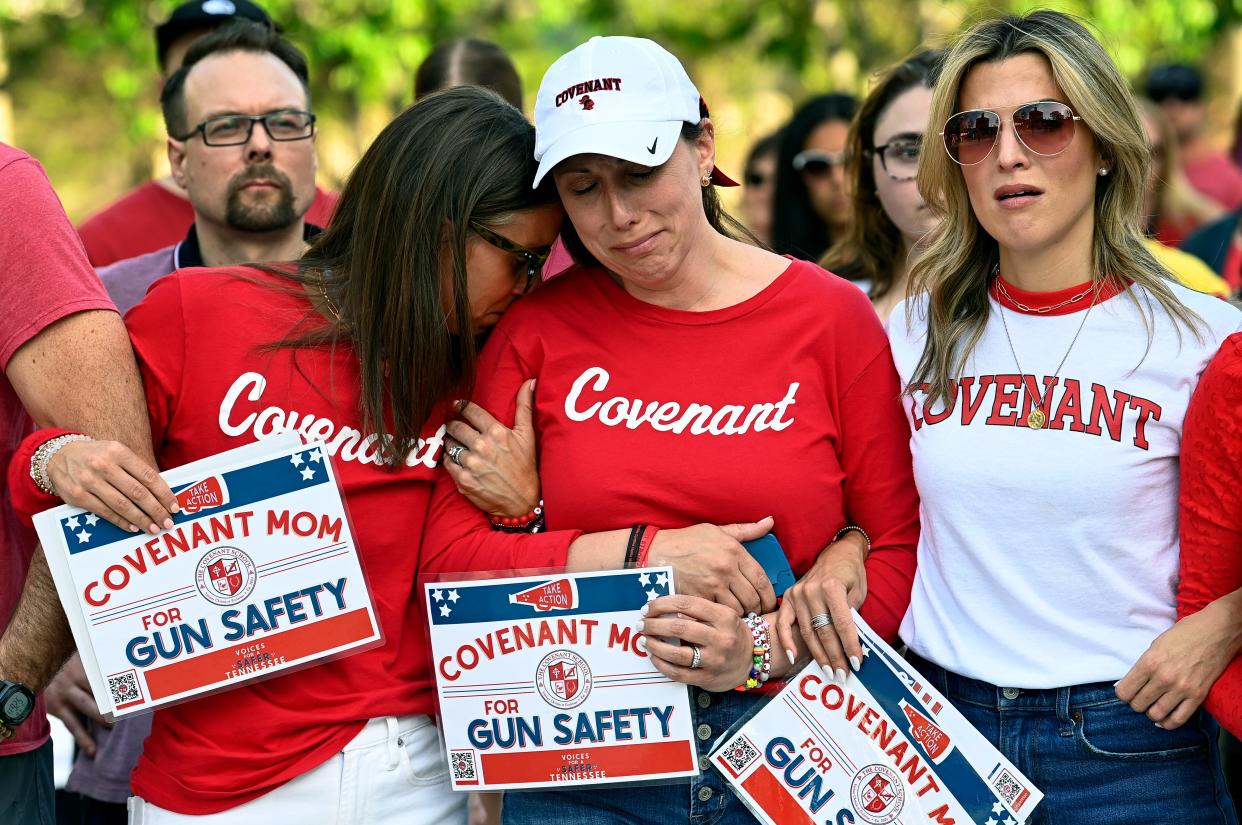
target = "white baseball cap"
x: 625, y: 97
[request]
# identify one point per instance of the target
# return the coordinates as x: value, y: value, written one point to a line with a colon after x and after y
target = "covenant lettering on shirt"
x: 784, y: 405
x: 1049, y: 557
x: 348, y: 443
x: 671, y: 416
x: 1070, y: 404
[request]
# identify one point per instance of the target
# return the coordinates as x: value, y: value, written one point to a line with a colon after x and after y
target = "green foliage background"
x: 78, y: 78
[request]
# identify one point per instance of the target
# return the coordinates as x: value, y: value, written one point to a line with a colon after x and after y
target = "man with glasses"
x: 241, y: 144
x: 157, y: 213
x: 242, y: 147
x: 1178, y: 90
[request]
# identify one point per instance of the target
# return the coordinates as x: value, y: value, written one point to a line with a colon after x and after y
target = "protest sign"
x: 543, y: 682
x: 258, y: 574
x: 883, y: 748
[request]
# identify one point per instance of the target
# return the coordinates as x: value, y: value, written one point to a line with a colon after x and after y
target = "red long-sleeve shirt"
x: 210, y: 385
x: 1210, y: 509
x: 786, y: 404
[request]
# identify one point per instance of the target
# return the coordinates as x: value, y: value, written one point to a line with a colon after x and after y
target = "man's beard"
x: 268, y: 216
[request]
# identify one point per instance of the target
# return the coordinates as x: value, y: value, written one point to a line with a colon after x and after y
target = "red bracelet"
x: 517, y: 521
x: 644, y: 546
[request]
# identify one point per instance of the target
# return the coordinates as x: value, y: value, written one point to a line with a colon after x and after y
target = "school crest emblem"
x: 563, y: 679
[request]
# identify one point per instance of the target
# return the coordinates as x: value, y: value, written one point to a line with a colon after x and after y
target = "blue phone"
x: 771, y: 557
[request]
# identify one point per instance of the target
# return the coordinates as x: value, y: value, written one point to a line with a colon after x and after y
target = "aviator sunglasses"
x: 1045, y: 127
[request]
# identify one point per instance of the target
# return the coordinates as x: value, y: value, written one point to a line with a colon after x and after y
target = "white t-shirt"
x: 1049, y: 557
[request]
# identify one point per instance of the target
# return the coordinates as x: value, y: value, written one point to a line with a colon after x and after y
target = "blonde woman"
x: 1049, y: 361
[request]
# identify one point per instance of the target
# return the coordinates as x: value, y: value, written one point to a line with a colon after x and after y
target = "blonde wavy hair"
x: 957, y: 263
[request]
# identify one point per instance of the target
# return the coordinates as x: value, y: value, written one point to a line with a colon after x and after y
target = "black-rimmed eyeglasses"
x: 900, y: 158
x: 534, y: 259
x: 235, y: 130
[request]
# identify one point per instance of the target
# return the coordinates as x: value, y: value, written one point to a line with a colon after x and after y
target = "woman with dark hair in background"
x: 889, y: 216
x: 758, y: 186
x: 469, y: 62
x: 811, y: 204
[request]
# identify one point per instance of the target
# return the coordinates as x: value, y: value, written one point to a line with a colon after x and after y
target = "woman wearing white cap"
x: 686, y: 376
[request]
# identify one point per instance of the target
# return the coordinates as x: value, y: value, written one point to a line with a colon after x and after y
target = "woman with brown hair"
x: 889, y: 217
x: 689, y: 377
x: 361, y: 344
x: 1172, y: 208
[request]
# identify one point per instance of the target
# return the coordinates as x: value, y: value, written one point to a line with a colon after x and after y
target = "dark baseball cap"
x: 1174, y: 80
x: 200, y: 15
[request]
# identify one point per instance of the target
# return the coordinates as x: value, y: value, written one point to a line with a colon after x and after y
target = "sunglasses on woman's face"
x: 532, y: 259
x: 1045, y: 127
x: 815, y: 163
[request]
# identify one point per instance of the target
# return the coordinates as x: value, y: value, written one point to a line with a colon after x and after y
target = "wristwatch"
x: 16, y: 702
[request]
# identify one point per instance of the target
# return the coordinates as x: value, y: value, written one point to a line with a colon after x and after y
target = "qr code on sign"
x: 1007, y: 787
x: 462, y: 763
x: 124, y: 687
x: 739, y: 753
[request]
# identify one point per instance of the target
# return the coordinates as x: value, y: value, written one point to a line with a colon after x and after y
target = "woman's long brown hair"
x: 871, y: 243
x: 395, y: 254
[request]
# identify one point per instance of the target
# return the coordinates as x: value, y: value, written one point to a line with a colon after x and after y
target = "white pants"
x: 394, y: 771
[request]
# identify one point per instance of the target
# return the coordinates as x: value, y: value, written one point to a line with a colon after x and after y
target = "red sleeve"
x: 458, y: 537
x: 880, y: 496
x: 1210, y: 509
x: 157, y: 329
x: 26, y: 497
x: 44, y: 273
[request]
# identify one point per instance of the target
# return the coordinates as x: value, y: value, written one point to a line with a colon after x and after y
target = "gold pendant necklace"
x: 1038, y: 417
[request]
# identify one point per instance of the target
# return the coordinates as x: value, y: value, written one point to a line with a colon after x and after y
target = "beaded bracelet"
x: 43, y: 456
x: 761, y: 652
x: 532, y: 522
x: 847, y: 528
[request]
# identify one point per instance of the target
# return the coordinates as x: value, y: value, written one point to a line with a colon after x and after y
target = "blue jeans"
x: 703, y: 800
x: 1095, y: 759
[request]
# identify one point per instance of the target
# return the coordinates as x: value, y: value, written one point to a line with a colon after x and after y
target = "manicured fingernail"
x: 854, y: 663
x: 133, y: 528
x: 642, y: 611
x: 174, y: 508
x: 168, y: 524
x: 152, y: 528
x: 792, y: 658
x: 640, y: 624
x: 841, y: 675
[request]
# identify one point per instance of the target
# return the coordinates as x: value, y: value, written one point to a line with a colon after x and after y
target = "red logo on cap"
x: 599, y: 84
